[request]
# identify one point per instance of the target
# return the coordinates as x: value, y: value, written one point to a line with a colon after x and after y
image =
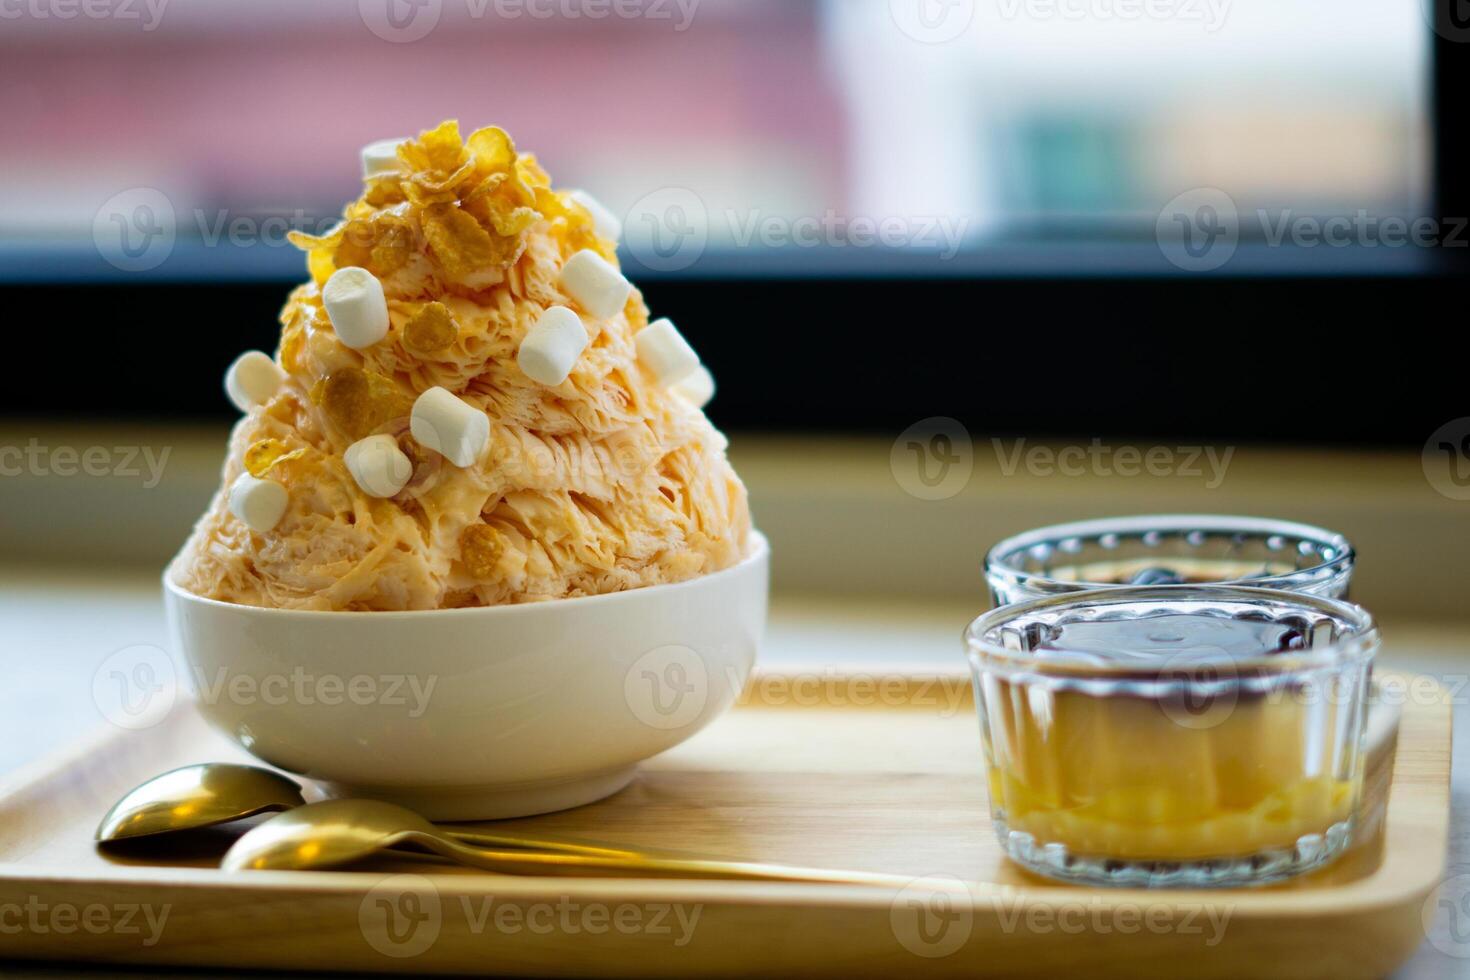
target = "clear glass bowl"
x: 1169, y: 549
x: 1143, y: 736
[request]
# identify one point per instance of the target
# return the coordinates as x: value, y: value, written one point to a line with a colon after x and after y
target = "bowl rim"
x: 759, y: 551
x: 998, y: 565
x: 1361, y: 646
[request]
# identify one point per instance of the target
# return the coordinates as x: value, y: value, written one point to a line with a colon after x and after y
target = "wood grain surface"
x: 871, y: 772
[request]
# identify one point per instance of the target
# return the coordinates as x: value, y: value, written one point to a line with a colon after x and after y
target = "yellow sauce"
x: 1127, y: 777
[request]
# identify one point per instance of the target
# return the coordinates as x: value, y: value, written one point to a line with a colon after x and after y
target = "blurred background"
x: 1036, y: 119
x: 1010, y: 233
x: 960, y: 267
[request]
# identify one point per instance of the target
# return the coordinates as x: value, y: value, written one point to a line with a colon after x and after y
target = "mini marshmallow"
x: 551, y: 347
x: 381, y: 158
x: 665, y: 352
x: 604, y: 221
x: 449, y: 426
x: 252, y: 380
x: 697, y: 388
x: 356, y: 306
x: 259, y: 504
x: 596, y: 285
x: 380, y: 468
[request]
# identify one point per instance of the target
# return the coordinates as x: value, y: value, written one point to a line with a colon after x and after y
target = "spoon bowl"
x: 198, y: 796
x: 325, y: 835
x: 210, y: 794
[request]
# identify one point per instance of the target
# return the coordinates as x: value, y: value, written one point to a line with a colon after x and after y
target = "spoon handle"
x: 551, y: 844
x: 542, y: 863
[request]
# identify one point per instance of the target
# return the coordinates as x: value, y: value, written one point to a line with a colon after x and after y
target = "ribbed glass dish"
x: 1173, y: 736
x: 1169, y: 549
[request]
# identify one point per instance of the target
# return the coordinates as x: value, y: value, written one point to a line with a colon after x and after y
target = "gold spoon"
x: 213, y: 793
x: 195, y: 797
x: 324, y: 835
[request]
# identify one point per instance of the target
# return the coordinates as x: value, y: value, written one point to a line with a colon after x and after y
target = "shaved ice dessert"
x: 468, y: 406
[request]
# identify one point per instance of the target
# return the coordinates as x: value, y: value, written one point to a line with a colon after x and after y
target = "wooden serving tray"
x: 850, y: 772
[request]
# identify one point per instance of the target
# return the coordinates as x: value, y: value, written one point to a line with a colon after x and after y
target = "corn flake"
x: 461, y: 246
x: 267, y: 453
x: 480, y: 549
x: 359, y: 402
x: 384, y: 192
x: 438, y: 152
x: 319, y: 251
x: 382, y: 244
x: 293, y: 347
x: 431, y: 330
x: 493, y: 148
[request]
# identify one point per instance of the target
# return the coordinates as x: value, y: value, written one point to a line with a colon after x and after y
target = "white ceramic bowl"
x: 467, y: 714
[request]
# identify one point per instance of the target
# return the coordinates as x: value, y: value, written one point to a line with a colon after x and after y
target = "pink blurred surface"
x: 763, y: 107
x: 275, y: 118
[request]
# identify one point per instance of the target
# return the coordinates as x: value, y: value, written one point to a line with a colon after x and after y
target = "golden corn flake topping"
x: 265, y: 454
x: 360, y: 402
x: 480, y: 549
x: 431, y: 330
x: 468, y: 202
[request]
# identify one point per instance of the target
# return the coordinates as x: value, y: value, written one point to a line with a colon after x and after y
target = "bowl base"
x: 1054, y: 860
x: 462, y: 803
